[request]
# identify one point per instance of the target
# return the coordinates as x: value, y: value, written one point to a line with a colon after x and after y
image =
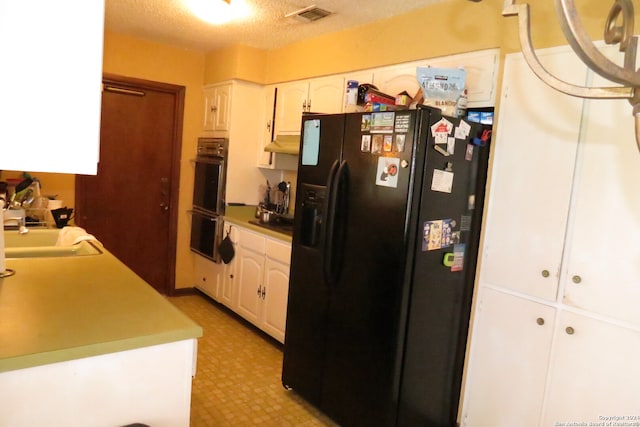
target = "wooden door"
x: 131, y: 204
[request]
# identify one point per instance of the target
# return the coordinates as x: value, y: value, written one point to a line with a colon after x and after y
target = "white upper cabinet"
x: 217, y: 107
x: 291, y: 102
x: 55, y: 129
x: 321, y: 95
x: 602, y: 272
x: 481, y: 68
x: 325, y: 95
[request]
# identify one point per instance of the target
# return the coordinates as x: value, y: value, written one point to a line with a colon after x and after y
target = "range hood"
x: 285, y: 144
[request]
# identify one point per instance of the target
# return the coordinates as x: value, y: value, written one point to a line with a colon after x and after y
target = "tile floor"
x: 238, y: 377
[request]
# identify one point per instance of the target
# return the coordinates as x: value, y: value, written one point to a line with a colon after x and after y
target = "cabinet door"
x: 209, y: 108
x: 594, y: 373
x: 250, y: 273
x: 603, y: 268
x: 265, y: 159
x: 223, y: 107
x: 398, y: 78
x: 69, y: 120
x: 291, y: 102
x: 482, y: 72
x: 531, y: 178
x: 217, y: 107
x: 326, y: 95
x: 509, y: 357
x: 228, y: 294
x: 274, y: 304
x: 208, y: 276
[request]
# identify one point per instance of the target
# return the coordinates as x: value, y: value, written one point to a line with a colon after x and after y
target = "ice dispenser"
x: 313, y: 200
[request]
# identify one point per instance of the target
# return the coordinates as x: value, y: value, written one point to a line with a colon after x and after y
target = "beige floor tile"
x: 238, y: 377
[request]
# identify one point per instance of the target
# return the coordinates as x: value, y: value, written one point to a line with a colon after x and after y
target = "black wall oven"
x: 207, y: 211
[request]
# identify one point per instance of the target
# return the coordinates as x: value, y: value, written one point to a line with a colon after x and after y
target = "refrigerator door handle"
x: 328, y: 218
x: 331, y: 261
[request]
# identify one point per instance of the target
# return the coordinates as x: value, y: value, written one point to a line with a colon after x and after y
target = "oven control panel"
x: 212, y: 147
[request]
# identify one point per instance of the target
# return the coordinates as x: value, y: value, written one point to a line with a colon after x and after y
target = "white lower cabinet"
x: 216, y: 279
x: 208, y: 275
x: 255, y: 284
x: 533, y: 367
x: 276, y: 287
x: 250, y: 273
x: 594, y: 373
x: 228, y: 296
x: 263, y: 281
x: 511, y: 356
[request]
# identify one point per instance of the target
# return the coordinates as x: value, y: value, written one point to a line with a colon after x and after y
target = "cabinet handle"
x: 540, y: 321
x: 569, y: 330
x: 259, y: 291
x: 309, y: 106
x: 304, y: 105
x: 576, y: 279
x: 269, y: 126
x: 231, y: 276
x: 214, y: 108
x: 264, y: 291
x: 545, y: 273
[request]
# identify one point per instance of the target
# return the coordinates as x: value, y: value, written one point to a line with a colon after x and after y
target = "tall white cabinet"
x: 230, y: 112
x: 556, y: 329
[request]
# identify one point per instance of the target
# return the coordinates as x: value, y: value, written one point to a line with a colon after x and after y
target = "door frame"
x: 131, y: 83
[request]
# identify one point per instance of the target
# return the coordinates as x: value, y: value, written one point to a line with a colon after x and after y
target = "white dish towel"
x: 70, y: 236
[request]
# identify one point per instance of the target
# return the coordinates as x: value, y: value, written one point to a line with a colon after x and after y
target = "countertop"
x: 241, y: 215
x: 64, y: 308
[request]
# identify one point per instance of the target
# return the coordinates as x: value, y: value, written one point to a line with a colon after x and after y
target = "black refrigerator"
x: 386, y: 230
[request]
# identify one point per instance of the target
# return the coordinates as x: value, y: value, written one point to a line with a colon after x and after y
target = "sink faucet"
x: 22, y: 225
x: 22, y: 229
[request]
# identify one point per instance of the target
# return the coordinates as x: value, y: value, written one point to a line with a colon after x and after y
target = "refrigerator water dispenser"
x: 312, y: 205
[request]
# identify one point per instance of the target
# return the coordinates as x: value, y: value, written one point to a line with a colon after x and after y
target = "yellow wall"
x: 236, y: 62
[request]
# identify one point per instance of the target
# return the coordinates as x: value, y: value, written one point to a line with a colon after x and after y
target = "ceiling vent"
x: 309, y: 14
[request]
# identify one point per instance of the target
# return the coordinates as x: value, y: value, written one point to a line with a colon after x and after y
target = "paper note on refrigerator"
x: 442, y: 181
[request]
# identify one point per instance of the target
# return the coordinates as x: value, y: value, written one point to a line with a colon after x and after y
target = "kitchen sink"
x: 41, y: 243
x: 81, y: 249
x: 35, y: 237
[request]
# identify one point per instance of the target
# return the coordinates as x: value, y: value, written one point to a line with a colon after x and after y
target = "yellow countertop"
x: 241, y: 215
x: 64, y: 308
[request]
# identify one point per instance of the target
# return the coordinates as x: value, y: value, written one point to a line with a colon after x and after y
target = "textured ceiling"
x: 170, y: 21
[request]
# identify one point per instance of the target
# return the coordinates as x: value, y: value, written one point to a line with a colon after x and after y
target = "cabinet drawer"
x: 279, y: 251
x: 252, y: 241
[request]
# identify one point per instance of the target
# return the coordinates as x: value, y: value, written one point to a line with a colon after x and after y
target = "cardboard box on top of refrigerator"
x: 375, y: 96
x: 403, y: 98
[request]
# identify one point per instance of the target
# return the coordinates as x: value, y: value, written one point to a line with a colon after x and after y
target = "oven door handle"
x: 202, y: 214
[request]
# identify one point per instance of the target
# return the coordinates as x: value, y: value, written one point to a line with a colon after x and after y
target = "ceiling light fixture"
x: 618, y: 30
x: 218, y: 11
